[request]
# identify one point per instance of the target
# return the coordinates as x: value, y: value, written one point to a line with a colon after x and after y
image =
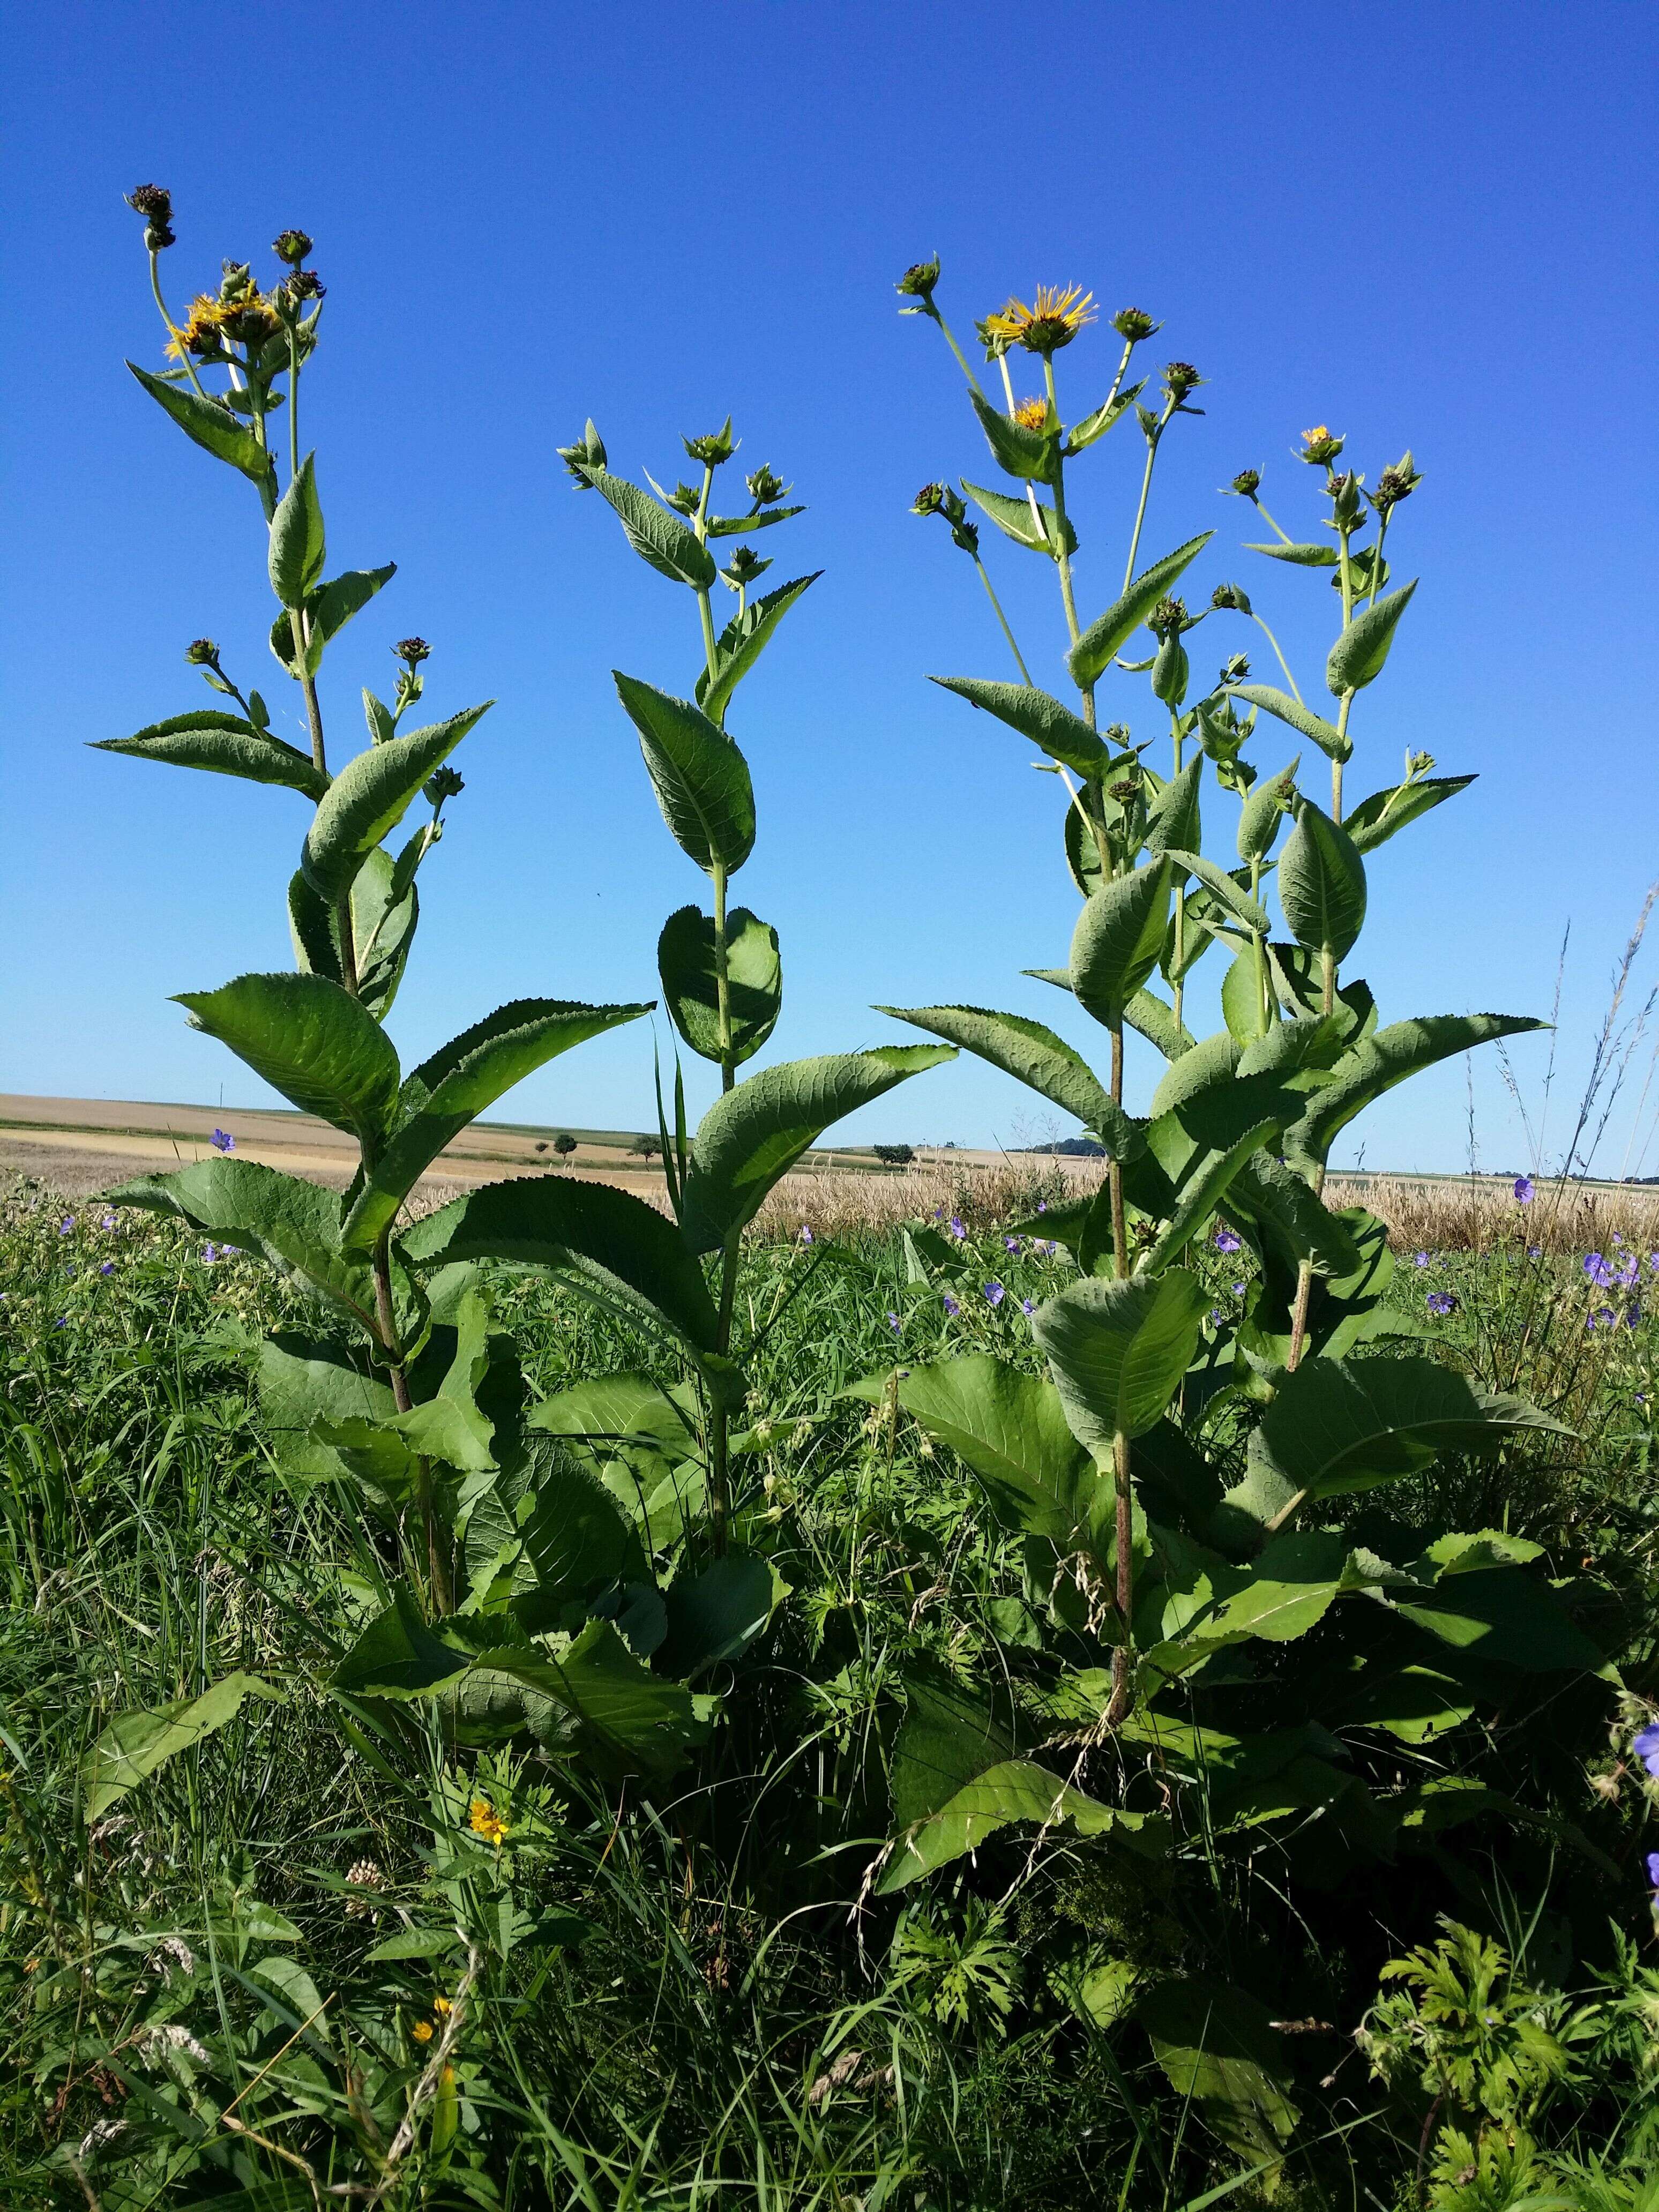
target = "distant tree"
x: 564, y: 1143
x: 646, y: 1147
x: 895, y: 1156
x: 541, y: 1148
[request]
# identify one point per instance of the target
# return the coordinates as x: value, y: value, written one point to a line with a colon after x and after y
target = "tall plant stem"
x: 1122, y: 1685
x: 1114, y: 1167
x: 1063, y: 561
x: 722, y: 981
x: 719, y: 1500
x: 1260, y: 950
x: 950, y: 340
x: 1284, y: 664
x: 996, y: 604
x: 1304, y: 1272
x: 173, y: 331
x: 1336, y: 766
x: 293, y: 402
x: 1153, y: 444
x: 1176, y: 986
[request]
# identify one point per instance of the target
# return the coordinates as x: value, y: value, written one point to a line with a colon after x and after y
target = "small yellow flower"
x: 422, y: 2031
x: 1053, y: 321
x: 442, y: 2007
x: 1031, y: 414
x: 487, y: 1822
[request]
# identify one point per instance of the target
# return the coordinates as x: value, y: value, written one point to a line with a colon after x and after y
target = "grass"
x: 690, y: 1999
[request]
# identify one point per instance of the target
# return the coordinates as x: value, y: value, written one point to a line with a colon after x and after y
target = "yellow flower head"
x: 442, y: 2007
x: 1031, y: 414
x: 1054, y: 321
x: 487, y: 1822
x: 422, y: 2031
x: 1320, y: 447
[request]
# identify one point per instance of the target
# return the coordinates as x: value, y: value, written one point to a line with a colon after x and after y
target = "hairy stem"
x: 1295, y: 692
x: 1123, y: 1689
x: 1030, y: 488
x: 722, y: 982
x: 1153, y: 444
x: 1114, y: 1169
x: 720, y: 1496
x: 990, y: 594
x: 172, y: 329
x: 961, y: 360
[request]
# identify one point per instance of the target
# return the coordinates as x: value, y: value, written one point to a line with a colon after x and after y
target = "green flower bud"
x: 683, y: 500
x: 413, y: 650
x: 443, y: 783
x: 930, y: 500
x: 1231, y: 599
x: 155, y: 203
x: 1135, y: 323
x: 745, y: 566
x: 1245, y: 484
x: 1180, y: 378
x: 764, y: 488
x: 305, y: 284
x: 1395, y: 484
x: 1345, y: 499
x: 719, y: 445
x: 588, y: 453
x: 291, y: 246
x: 1169, y: 618
x: 201, y: 653
x: 1236, y: 670
x: 917, y: 284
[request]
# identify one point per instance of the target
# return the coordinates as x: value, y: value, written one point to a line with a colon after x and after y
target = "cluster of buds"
x: 363, y: 1875
x: 939, y: 499
x: 1231, y: 599
x: 588, y: 453
x: 1169, y: 618
x: 744, y: 567
x: 1395, y: 484
x: 155, y: 203
x: 719, y: 445
x: 684, y: 499
x: 765, y: 488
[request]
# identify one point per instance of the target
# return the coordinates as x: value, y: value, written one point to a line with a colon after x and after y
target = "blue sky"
x: 1422, y: 225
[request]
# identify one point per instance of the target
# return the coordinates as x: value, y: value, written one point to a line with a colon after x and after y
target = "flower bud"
x: 236, y: 281
x: 719, y: 445
x: 930, y: 500
x: 1319, y: 447
x: 1231, y: 599
x: 1180, y: 378
x: 201, y: 653
x: 1169, y: 618
x: 745, y: 566
x: 1134, y: 323
x: 1345, y: 499
x: 305, y: 284
x: 1245, y: 483
x: 155, y: 203
x: 765, y: 488
x: 413, y: 650
x: 1418, y: 764
x: 1236, y: 670
x: 1125, y: 790
x: 443, y: 783
x: 683, y: 500
x: 292, y: 246
x: 917, y: 284
x: 993, y: 341
x: 588, y: 453
x: 1395, y: 484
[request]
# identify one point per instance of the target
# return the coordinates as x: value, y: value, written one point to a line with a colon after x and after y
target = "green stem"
x: 1282, y: 535
x: 722, y: 984
x: 1377, y: 558
x: 1258, y: 941
x: 720, y: 1500
x: 990, y: 594
x: 962, y: 361
x: 1153, y: 444
x: 1283, y: 663
x: 1122, y: 1682
x: 293, y: 402
x: 1063, y: 559
x: 1336, y: 766
x: 1030, y: 488
x: 173, y: 331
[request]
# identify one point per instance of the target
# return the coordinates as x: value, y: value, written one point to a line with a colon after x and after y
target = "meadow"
x: 974, y: 1687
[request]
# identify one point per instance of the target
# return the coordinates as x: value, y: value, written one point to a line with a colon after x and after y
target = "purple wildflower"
x: 1042, y: 1205
x: 1653, y: 1869
x: 894, y: 1323
x: 108, y: 1222
x: 951, y: 1308
x: 1597, y: 1269
x: 62, y: 1322
x: 1617, y: 1238
x: 1012, y: 1243
x: 994, y: 1293
x: 1026, y: 1306
x: 1421, y: 1260
x: 806, y: 1234
x: 1238, y: 1289
x: 108, y: 1267
x: 1216, y: 1317
x: 222, y: 1142
x: 956, y: 1229
x: 1224, y: 1241
x: 1534, y: 1251
x: 1653, y: 1263
x: 209, y: 1253
x: 1523, y: 1190
x: 1441, y: 1303
x: 66, y: 1224
x: 1627, y: 1275
x: 1604, y: 1317
x: 1646, y: 1746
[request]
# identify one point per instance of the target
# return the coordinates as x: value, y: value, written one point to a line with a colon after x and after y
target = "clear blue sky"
x: 1422, y: 224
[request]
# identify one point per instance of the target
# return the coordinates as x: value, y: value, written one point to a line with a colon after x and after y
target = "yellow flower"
x: 442, y: 2007
x: 422, y: 2031
x: 1031, y: 414
x: 487, y: 1822
x: 1054, y: 321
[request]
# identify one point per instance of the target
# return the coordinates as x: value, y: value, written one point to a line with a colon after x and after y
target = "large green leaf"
x: 1039, y: 534
x: 454, y: 1086
x: 1052, y: 726
x: 382, y: 928
x: 1034, y: 1056
x: 754, y: 981
x: 1032, y: 454
x: 1325, y: 735
x: 1264, y: 810
x: 224, y: 744
x: 622, y: 1253
x: 1104, y: 638
x: 292, y: 1224
x: 716, y: 1614
x: 1172, y: 819
x: 751, y: 1139
x: 1376, y: 819
x: 1337, y: 1425
x: 661, y: 539
x: 213, y: 427
x: 1322, y: 883
x: 1377, y: 1063
x: 302, y: 1380
x: 1356, y: 658
x: 1279, y: 1208
x: 1204, y: 1143
x: 1118, y: 1351
x: 742, y: 643
x: 297, y: 548
x: 700, y: 779
x: 309, y: 1039
x: 578, y: 1539
x: 133, y: 1746
x: 1153, y: 1018
x: 1219, y: 2049
x: 1119, y: 938
x: 327, y: 610
x: 1010, y: 1429
x: 1502, y: 1617
x: 370, y: 796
